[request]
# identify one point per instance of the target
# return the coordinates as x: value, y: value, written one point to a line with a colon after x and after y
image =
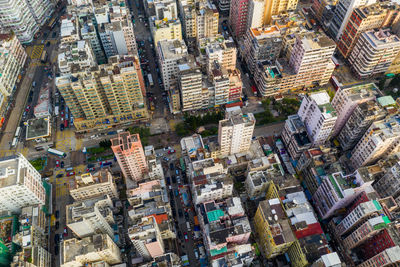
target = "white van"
x: 188, y: 226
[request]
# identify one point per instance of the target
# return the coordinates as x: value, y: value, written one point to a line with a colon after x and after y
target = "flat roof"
x: 37, y: 128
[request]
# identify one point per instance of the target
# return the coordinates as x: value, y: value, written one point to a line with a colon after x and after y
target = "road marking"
x: 37, y: 51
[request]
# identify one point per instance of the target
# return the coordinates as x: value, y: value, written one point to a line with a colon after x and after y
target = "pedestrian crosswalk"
x: 37, y: 51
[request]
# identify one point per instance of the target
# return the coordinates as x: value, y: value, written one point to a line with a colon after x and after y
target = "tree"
x: 105, y: 144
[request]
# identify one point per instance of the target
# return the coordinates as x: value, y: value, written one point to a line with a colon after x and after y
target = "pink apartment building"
x: 238, y: 17
x: 129, y: 152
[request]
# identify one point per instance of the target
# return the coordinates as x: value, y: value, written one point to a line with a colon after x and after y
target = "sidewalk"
x: 16, y: 113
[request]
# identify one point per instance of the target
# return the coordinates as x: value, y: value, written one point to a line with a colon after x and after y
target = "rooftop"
x: 322, y: 99
x: 37, y: 128
x: 74, y: 247
x: 277, y: 221
x: 172, y: 49
x: 88, y: 179
x: 313, y: 41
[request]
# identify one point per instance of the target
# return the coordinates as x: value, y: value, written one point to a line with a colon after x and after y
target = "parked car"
x: 171, y: 166
x: 65, y: 232
x: 57, y: 225
x: 57, y: 163
x: 70, y: 174
x: 168, y: 181
x: 62, y: 164
x: 173, y: 179
x: 59, y: 175
x: 186, y: 237
x: 57, y: 214
x: 180, y: 213
x: 171, y: 151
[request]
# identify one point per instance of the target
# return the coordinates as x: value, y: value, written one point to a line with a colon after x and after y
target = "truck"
x: 196, y: 220
x: 150, y: 78
x: 56, y: 111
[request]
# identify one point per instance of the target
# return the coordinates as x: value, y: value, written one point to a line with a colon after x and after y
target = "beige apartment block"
x: 88, y: 250
x: 87, y: 186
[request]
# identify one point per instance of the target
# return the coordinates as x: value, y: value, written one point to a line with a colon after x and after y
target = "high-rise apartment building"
x: 261, y: 44
x: 342, y: 13
x: 263, y: 11
x: 73, y: 55
x: 169, y: 53
x: 380, y: 140
x: 87, y: 186
x: 88, y: 250
x: 365, y: 231
x: 220, y: 80
x: 207, y: 18
x: 311, y: 55
x: 129, y: 152
x: 295, y: 136
x: 146, y: 238
x: 189, y: 26
x: 255, y: 16
x: 89, y: 32
x: 166, y: 30
x: 270, y: 217
x: 366, y: 18
x: 338, y: 190
x: 238, y: 17
x: 374, y: 52
x: 12, y: 60
x: 360, y: 214
x: 235, y: 131
x: 92, y: 216
x: 359, y: 121
x: 24, y: 17
x: 190, y: 85
x: 223, y: 51
x: 20, y: 184
x: 388, y: 257
x: 318, y: 116
x: 389, y: 184
x: 310, y: 64
x: 106, y: 95
x: 347, y: 98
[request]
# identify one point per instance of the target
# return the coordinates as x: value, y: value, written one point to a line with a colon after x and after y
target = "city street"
x: 34, y: 74
x: 142, y: 34
x: 176, y: 180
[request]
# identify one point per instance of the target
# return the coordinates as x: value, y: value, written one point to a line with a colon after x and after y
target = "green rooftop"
x: 218, y: 251
x: 385, y: 101
x: 214, y: 215
x: 377, y: 205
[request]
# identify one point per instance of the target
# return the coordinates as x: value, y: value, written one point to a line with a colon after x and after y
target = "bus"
x: 52, y: 23
x: 150, y: 78
x: 14, y: 142
x: 43, y: 57
x: 335, y: 61
x: 335, y: 82
x: 17, y: 132
x: 57, y: 152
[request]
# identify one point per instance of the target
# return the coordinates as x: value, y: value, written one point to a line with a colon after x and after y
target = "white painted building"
x: 169, y: 52
x: 318, y: 116
x: 235, y: 131
x: 12, y: 61
x: 24, y: 17
x: 374, y: 52
x: 20, y: 184
x: 91, y: 217
x: 347, y: 98
x: 255, y: 15
x: 380, y: 140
